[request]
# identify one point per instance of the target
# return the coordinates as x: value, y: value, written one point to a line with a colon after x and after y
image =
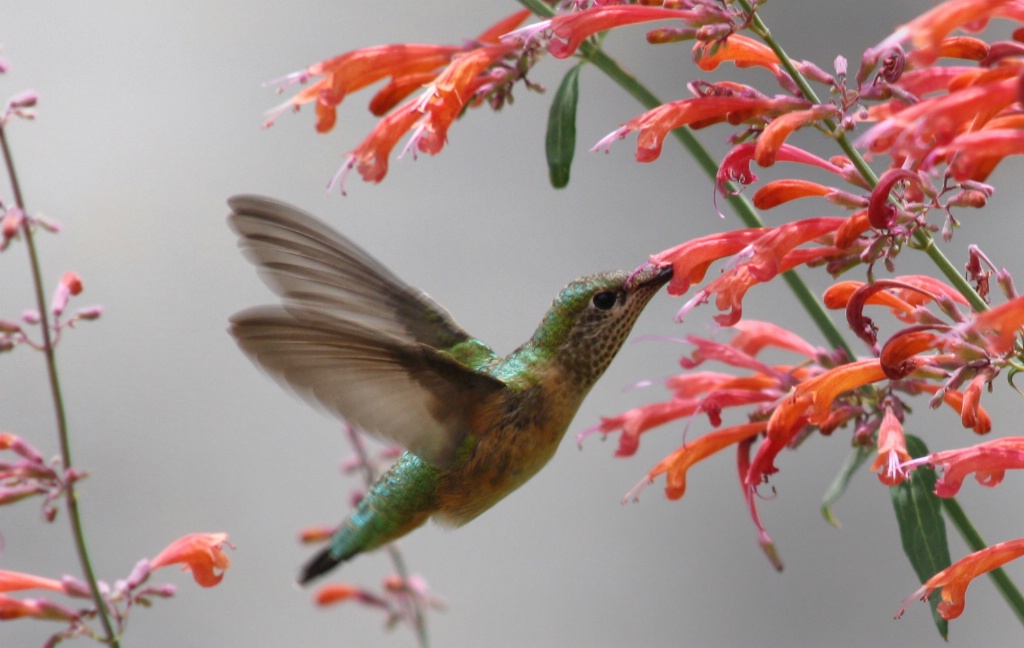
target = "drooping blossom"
x: 989, y: 461
x: 568, y: 31
x: 200, y: 553
x: 892, y: 450
x: 654, y: 125
x: 955, y: 579
x: 681, y: 460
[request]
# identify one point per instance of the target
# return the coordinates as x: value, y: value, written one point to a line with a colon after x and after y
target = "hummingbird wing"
x: 406, y: 392
x: 307, y: 263
x: 352, y: 337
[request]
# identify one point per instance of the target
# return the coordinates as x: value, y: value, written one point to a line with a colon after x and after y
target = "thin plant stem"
x: 419, y: 618
x: 70, y: 497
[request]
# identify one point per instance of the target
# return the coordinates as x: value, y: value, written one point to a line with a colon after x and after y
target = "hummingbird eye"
x: 604, y: 300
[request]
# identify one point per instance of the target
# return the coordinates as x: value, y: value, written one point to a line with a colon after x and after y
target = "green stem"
x: 419, y: 618
x: 70, y: 498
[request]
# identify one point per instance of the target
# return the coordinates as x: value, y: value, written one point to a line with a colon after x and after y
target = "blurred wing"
x: 403, y: 391
x: 308, y: 264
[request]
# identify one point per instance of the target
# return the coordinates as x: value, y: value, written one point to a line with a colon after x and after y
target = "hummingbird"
x: 355, y: 339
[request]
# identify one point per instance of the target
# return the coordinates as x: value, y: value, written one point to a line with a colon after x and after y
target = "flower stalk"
x: 70, y: 496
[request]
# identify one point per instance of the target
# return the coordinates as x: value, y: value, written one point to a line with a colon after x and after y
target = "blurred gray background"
x: 150, y: 118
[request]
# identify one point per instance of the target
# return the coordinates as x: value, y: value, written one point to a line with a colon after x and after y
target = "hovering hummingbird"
x: 354, y: 338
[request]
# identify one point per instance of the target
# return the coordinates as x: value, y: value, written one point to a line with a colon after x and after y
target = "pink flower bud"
x: 75, y: 588
x: 30, y: 316
x: 24, y: 99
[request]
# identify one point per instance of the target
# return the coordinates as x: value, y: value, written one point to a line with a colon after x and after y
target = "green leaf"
x: 560, y: 141
x: 922, y: 527
x: 854, y: 461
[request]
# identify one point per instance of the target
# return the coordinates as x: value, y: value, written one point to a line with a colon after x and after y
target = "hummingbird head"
x: 591, y: 317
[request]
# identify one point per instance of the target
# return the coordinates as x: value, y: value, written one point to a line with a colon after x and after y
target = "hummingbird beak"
x: 650, y: 275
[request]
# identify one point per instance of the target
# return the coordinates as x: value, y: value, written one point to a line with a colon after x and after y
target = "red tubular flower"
x: 916, y: 130
x: 201, y: 553
x: 741, y: 50
x: 998, y: 327
x: 11, y: 581
x: 973, y: 156
x: 899, y: 356
x: 655, y: 124
x: 571, y: 29
x: 955, y: 399
x: 778, y: 192
x: 11, y: 608
x: 640, y: 419
x: 775, y: 133
x: 754, y: 335
x: 679, y: 462
x: 892, y: 450
x: 809, y: 402
x: 955, y: 579
x: 691, y: 260
x: 765, y: 258
x: 735, y: 165
x: 989, y: 461
x: 357, y: 69
x: 371, y: 156
x: 445, y: 99
x: 928, y: 30
x: 314, y: 534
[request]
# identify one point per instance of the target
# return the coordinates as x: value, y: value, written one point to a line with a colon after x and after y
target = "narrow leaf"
x: 560, y: 142
x: 922, y: 527
x: 851, y: 465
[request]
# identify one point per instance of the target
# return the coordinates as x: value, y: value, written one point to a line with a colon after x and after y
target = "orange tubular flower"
x: 955, y: 579
x: 735, y: 165
x: 916, y: 130
x: 998, y: 327
x: 973, y: 156
x: 11, y: 608
x: 691, y: 260
x: 892, y: 450
x: 355, y: 70
x: 679, y: 462
x: 655, y: 124
x: 928, y: 30
x: 775, y: 133
x: 571, y: 29
x: 989, y: 461
x: 11, y: 581
x: 741, y: 50
x: 201, y: 553
x: 778, y: 192
x: 809, y: 402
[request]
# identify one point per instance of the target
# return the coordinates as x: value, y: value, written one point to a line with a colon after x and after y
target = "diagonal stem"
x: 70, y: 498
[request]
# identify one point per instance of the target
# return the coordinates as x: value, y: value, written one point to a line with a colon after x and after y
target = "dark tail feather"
x: 321, y: 563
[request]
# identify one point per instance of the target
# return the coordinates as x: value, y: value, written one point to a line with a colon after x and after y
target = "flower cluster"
x: 449, y: 79
x: 29, y: 475
x: 934, y: 105
x: 202, y: 553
